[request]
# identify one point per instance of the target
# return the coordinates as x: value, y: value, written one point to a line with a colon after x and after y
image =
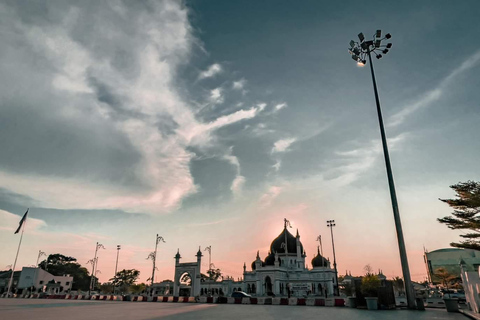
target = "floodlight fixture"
x: 366, y: 49
x: 378, y: 34
x: 356, y: 51
x: 352, y: 43
x: 378, y: 43
x: 355, y: 57
x: 361, y: 37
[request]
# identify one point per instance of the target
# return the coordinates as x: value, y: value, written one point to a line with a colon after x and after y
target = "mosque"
x: 282, y: 273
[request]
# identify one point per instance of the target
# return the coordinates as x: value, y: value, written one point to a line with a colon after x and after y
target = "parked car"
x: 240, y: 294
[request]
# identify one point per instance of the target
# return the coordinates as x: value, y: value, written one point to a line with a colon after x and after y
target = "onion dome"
x: 270, y: 260
x: 319, y: 261
x: 278, y: 246
x: 253, y: 265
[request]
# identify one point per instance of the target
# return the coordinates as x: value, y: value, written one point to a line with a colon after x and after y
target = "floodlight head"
x: 388, y: 36
x: 389, y: 45
x: 364, y: 45
x: 378, y: 34
x: 385, y: 51
x: 378, y: 43
x: 352, y: 43
x: 361, y: 37
x: 364, y: 61
x: 379, y: 56
x: 356, y: 51
x: 355, y: 57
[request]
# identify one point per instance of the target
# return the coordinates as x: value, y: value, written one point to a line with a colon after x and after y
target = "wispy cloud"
x: 357, y: 161
x: 280, y: 106
x: 212, y: 71
x: 268, y: 197
x: 216, y: 96
x: 239, y: 85
x: 435, y: 94
x: 283, y: 145
x: 239, y: 180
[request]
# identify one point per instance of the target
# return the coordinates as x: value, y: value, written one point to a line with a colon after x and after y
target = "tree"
x: 125, y: 277
x: 59, y: 265
x: 214, y: 274
x: 106, y: 287
x: 137, y: 288
x: 444, y: 276
x: 466, y: 207
x: 398, y: 285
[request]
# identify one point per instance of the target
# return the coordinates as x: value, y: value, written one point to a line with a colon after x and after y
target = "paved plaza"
x: 73, y: 310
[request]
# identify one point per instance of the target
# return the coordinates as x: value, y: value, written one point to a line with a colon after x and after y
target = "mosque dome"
x: 253, y: 265
x: 319, y: 261
x: 270, y: 259
x: 278, y: 247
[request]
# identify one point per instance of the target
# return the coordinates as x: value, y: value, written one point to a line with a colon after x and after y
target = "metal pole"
x: 154, y: 258
x: 396, y: 214
x: 93, y: 269
x: 331, y: 224
x: 15, y: 263
x: 116, y: 265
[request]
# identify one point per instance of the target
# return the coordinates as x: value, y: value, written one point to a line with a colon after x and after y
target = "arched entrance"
x: 187, y: 277
x: 268, y: 286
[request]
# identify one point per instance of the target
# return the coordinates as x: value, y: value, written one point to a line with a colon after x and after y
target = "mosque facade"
x: 283, y: 272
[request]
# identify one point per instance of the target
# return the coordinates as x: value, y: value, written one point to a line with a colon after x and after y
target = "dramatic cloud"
x: 216, y: 96
x: 94, y: 119
x: 239, y: 85
x: 212, y: 71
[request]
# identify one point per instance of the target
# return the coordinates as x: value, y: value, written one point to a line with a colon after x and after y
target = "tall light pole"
x: 331, y: 224
x: 116, y: 265
x: 359, y: 51
x: 40, y: 253
x: 94, y: 264
x: 209, y: 249
x: 154, y: 257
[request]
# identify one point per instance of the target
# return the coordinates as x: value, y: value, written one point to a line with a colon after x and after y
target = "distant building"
x: 5, y: 279
x: 39, y: 280
x: 449, y: 258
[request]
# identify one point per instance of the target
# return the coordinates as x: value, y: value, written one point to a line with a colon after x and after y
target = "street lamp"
x: 331, y: 224
x: 154, y: 257
x: 209, y: 249
x: 94, y: 264
x: 40, y: 253
x: 116, y: 265
x: 359, y: 51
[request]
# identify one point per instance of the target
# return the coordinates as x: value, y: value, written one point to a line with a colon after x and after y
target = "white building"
x: 283, y: 272
x: 39, y: 280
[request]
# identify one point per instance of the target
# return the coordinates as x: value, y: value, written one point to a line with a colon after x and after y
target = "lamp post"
x: 319, y: 239
x: 359, y: 51
x: 154, y: 258
x: 331, y: 224
x: 94, y: 264
x: 116, y: 265
x: 40, y: 253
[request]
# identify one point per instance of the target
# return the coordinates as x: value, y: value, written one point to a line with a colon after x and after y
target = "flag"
x: 22, y: 222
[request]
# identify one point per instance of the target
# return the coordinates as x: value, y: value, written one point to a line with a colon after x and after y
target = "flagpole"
x: 15, y: 263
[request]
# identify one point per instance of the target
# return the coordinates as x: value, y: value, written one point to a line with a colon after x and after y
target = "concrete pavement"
x: 40, y: 309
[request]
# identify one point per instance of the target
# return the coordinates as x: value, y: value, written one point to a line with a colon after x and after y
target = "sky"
x: 209, y: 122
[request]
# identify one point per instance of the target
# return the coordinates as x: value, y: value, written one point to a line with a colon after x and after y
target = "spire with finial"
x: 199, y: 253
x: 298, y: 236
x: 177, y: 256
x: 258, y: 254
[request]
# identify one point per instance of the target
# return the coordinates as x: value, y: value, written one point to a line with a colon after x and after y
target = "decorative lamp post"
x: 359, y: 51
x: 154, y: 256
x: 40, y: 253
x: 94, y: 264
x: 331, y: 224
x: 116, y: 265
